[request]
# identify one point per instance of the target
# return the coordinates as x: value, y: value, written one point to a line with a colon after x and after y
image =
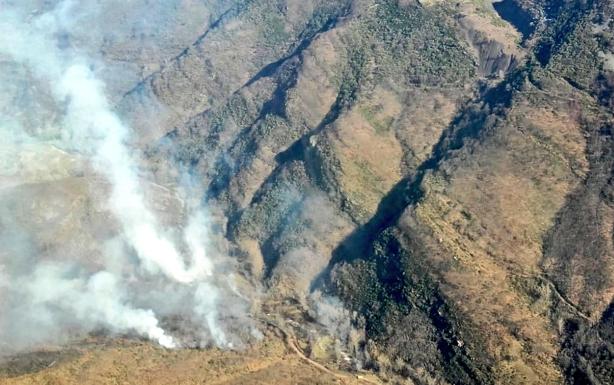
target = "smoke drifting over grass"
x: 145, y: 272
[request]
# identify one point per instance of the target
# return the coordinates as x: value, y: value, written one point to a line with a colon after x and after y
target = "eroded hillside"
x: 445, y: 170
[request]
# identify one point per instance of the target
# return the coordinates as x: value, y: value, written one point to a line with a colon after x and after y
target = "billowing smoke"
x: 59, y: 129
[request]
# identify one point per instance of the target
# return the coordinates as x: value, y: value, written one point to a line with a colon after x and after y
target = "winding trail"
x: 563, y: 299
x: 290, y: 341
x: 557, y: 293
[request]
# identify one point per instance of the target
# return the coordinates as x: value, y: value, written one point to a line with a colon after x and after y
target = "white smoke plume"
x: 176, y: 271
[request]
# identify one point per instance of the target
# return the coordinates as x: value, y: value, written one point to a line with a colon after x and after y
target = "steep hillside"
x: 443, y: 168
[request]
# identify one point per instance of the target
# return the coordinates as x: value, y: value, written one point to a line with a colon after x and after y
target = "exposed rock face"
x: 447, y: 175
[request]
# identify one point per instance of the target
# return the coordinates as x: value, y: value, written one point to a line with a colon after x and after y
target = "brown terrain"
x: 445, y: 168
x: 276, y: 360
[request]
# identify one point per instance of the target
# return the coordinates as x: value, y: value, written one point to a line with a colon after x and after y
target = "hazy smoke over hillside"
x: 56, y: 106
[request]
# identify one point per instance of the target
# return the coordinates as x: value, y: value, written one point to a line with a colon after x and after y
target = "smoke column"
x: 52, y: 295
x: 88, y: 110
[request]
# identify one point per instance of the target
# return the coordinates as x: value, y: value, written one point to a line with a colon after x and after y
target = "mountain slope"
x: 446, y: 174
